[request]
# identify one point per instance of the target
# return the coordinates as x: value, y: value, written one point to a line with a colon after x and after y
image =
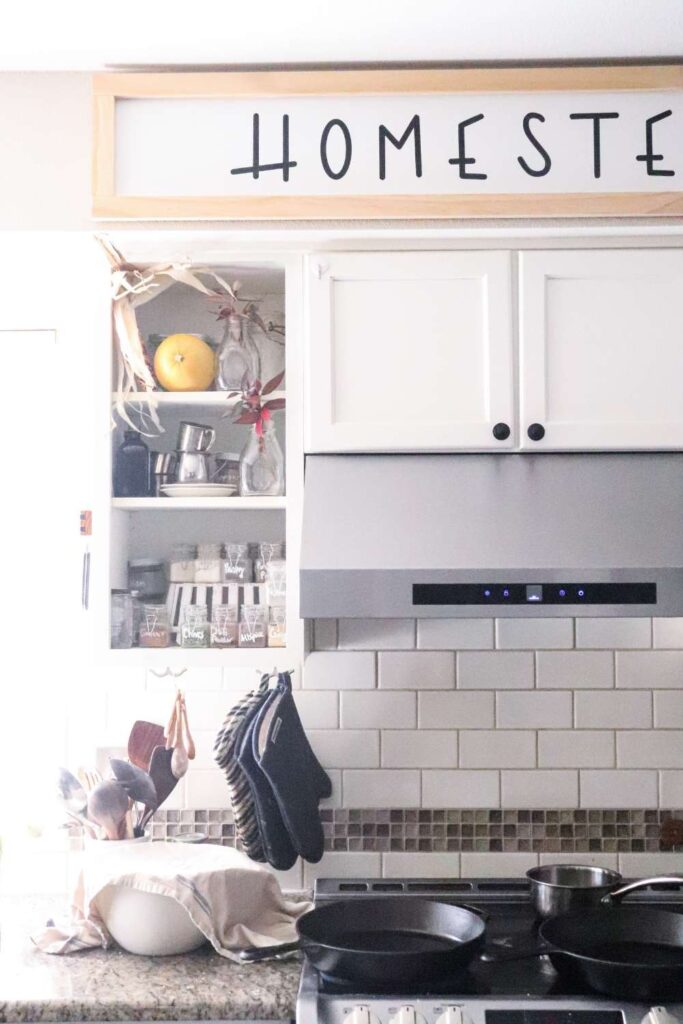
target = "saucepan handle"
x: 256, y: 954
x: 494, y: 954
x: 642, y: 883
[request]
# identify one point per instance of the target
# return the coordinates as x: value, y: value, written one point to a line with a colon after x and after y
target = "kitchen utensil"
x: 225, y: 468
x: 565, y: 888
x: 90, y: 778
x: 137, y: 783
x: 387, y: 941
x: 108, y: 805
x: 146, y: 923
x: 621, y: 951
x: 195, y: 437
x: 144, y: 737
x: 163, y: 778
x: 198, y: 490
x: 191, y: 749
x: 193, y: 468
x: 72, y: 792
x: 163, y: 470
x: 179, y: 759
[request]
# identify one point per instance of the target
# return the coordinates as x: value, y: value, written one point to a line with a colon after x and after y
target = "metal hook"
x: 161, y: 675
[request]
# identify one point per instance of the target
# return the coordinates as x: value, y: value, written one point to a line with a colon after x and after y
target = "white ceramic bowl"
x: 147, y: 923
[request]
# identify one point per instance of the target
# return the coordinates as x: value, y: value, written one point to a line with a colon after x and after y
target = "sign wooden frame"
x: 108, y: 88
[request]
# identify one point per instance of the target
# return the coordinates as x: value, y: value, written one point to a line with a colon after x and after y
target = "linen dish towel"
x: 234, y: 902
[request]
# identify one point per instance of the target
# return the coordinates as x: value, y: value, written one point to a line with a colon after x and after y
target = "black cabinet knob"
x: 501, y: 431
x: 536, y: 431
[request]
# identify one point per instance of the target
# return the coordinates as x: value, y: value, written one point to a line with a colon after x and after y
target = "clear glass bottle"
x: 224, y: 627
x: 195, y: 630
x: 155, y: 629
x: 262, y: 464
x: 253, y: 625
x: 238, y: 356
x: 121, y: 620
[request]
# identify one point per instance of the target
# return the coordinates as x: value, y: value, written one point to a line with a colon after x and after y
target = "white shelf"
x: 236, y: 504
x: 219, y: 398
x: 176, y: 658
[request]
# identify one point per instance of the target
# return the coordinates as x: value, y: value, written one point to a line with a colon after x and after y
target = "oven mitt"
x: 277, y: 844
x: 299, y: 782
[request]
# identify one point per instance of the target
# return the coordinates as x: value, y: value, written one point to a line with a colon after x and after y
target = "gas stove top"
x: 521, y: 992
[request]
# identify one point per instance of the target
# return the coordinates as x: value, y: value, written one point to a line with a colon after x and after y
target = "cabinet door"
x: 409, y: 351
x: 601, y: 348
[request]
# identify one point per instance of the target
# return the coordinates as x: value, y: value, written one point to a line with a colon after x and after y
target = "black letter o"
x: 335, y: 123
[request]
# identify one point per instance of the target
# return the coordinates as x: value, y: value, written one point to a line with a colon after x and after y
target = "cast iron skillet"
x: 632, y: 952
x: 391, y: 942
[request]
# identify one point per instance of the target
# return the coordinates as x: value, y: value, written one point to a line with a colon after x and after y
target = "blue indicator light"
x: 563, y: 592
x: 487, y: 593
x: 581, y: 593
x: 506, y: 592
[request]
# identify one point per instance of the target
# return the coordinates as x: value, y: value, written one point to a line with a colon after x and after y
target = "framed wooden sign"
x: 505, y: 142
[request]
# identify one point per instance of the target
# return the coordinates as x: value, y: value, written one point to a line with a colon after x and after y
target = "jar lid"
x: 229, y: 456
x: 145, y: 563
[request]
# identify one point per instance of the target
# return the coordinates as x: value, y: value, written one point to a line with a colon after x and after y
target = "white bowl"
x: 148, y: 923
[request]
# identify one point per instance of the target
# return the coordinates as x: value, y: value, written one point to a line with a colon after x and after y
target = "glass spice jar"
x: 224, y: 626
x: 148, y: 577
x: 276, y: 582
x: 155, y: 629
x: 267, y: 551
x: 253, y: 625
x: 195, y: 630
x: 208, y: 566
x: 277, y: 626
x: 237, y: 566
x: 181, y: 567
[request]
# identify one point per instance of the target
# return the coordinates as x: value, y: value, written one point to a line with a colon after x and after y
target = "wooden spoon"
x: 191, y: 749
x: 179, y: 760
x: 144, y: 737
x: 108, y: 805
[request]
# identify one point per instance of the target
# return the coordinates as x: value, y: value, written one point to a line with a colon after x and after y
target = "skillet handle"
x: 642, y: 883
x: 493, y: 954
x: 256, y: 954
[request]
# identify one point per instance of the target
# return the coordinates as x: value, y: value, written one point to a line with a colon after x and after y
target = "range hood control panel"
x: 534, y: 593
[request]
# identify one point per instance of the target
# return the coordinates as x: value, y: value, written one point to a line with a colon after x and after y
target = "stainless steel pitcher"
x: 195, y: 437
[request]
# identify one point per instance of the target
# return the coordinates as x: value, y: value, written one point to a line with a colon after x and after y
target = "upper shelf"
x: 190, y: 398
x: 236, y: 504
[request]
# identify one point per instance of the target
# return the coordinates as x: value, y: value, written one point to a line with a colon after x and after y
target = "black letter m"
x: 384, y: 134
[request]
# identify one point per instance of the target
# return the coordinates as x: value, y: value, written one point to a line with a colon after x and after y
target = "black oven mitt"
x: 282, y: 750
x: 275, y: 838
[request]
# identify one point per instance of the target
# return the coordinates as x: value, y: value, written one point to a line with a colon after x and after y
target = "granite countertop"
x: 110, y: 985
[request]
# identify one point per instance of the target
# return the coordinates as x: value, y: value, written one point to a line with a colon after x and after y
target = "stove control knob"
x: 659, y: 1015
x: 407, y: 1015
x: 361, y: 1015
x: 452, y: 1015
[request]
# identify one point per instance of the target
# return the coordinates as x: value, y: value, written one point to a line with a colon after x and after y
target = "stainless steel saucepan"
x: 565, y: 888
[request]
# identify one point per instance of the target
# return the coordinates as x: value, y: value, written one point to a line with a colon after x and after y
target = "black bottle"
x: 131, y: 467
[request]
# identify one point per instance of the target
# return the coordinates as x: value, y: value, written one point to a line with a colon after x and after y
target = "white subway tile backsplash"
x: 241, y: 680
x: 340, y: 670
x: 191, y: 679
x: 521, y: 710
x: 460, y: 789
x: 343, y: 865
x: 204, y: 742
x: 534, y: 634
x: 613, y: 633
x: 596, y: 860
x: 206, y: 710
x: 496, y: 865
x: 671, y: 790
x: 365, y: 709
x: 318, y: 709
x: 121, y: 712
x: 421, y: 865
x: 206, y: 789
x: 610, y: 709
x: 345, y: 748
x: 292, y: 880
x: 499, y: 748
x: 658, y: 749
x: 441, y: 710
x: 455, y: 634
x: 495, y: 670
x: 667, y: 633
x: 376, y: 634
x: 651, y: 669
x: 335, y: 799
x: 539, y: 788
x: 618, y: 788
x: 419, y: 748
x: 576, y: 748
x: 642, y: 865
x: 394, y: 787
x: 574, y: 670
x: 416, y: 670
x: 668, y: 709
x: 324, y: 634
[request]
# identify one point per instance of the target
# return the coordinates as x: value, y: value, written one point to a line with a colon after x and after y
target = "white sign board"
x: 382, y: 153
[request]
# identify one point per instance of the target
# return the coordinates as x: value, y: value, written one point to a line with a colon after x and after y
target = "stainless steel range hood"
x: 481, y: 535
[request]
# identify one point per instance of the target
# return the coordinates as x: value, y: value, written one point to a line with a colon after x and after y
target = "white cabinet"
x: 409, y: 351
x: 601, y: 348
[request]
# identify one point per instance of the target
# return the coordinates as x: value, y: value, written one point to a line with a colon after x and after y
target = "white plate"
x: 198, y: 490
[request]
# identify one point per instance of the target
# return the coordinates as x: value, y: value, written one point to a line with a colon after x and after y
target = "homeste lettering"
x: 404, y: 146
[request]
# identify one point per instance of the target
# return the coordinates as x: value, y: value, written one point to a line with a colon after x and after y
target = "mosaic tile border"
x: 480, y: 830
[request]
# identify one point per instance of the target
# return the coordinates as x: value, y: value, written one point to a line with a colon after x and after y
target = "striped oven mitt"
x: 225, y: 750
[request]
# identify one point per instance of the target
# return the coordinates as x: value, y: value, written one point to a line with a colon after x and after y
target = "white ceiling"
x: 90, y: 34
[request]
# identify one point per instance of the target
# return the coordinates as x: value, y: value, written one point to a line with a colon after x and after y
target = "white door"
x: 409, y: 351
x: 601, y: 349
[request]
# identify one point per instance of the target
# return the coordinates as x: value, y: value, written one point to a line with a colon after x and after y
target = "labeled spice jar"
x: 224, y: 625
x: 237, y: 566
x: 226, y: 469
x: 148, y: 577
x: 277, y: 626
x: 181, y: 567
x: 121, y: 620
x: 276, y: 581
x: 266, y: 552
x: 155, y: 630
x: 195, y: 630
x: 253, y: 625
x: 208, y: 565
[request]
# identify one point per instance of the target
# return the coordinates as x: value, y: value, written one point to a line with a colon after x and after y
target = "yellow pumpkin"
x: 183, y: 362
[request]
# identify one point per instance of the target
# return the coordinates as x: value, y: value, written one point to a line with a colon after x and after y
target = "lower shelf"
x: 177, y: 658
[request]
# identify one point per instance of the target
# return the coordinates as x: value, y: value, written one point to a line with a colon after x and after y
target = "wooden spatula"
x: 163, y: 778
x: 144, y: 737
